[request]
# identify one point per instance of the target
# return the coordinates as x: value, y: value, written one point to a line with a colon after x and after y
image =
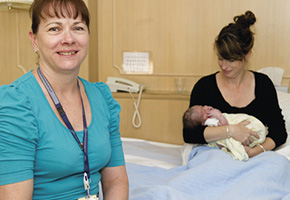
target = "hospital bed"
x: 158, y: 171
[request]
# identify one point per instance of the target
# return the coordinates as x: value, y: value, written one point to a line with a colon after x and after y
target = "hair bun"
x: 245, y: 20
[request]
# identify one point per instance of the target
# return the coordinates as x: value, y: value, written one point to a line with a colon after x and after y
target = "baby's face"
x: 207, y: 109
x: 202, y: 112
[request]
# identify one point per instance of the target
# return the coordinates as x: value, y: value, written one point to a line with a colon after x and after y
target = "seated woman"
x: 235, y: 89
x: 207, y: 115
x: 59, y: 133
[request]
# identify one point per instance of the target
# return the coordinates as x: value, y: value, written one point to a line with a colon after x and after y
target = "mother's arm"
x: 22, y: 190
x: 205, y: 92
x: 269, y: 111
x: 115, y: 183
x: 237, y: 131
x: 268, y: 145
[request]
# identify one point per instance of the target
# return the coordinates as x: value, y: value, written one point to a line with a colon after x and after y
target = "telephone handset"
x: 125, y: 85
x: 122, y: 84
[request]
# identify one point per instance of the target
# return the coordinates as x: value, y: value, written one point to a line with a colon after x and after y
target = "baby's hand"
x: 214, y: 113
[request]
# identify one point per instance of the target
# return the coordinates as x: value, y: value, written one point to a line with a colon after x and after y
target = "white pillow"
x: 284, y: 102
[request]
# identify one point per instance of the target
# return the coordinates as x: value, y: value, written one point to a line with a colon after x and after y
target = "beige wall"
x: 179, y: 35
x: 16, y: 53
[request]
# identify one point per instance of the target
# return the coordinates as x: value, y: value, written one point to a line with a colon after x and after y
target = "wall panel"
x: 180, y: 35
x: 161, y: 117
x: 17, y: 55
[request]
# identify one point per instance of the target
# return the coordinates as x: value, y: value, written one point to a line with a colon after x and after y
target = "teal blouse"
x: 35, y: 144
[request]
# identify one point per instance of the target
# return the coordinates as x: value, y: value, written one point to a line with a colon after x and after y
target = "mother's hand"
x: 251, y: 151
x: 241, y: 133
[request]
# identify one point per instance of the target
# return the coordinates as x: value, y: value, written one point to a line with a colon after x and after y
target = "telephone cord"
x: 136, y: 106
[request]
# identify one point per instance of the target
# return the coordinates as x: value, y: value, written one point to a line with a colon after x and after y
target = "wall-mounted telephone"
x: 121, y: 84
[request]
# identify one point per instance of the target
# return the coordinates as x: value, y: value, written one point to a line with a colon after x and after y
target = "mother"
x: 235, y: 89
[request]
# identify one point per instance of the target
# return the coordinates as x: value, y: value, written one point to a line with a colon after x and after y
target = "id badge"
x: 91, y: 197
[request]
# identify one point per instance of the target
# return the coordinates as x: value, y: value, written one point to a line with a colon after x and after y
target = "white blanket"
x: 234, y: 147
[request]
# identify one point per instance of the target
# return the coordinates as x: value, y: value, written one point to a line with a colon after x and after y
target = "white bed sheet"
x: 166, y: 156
x: 153, y: 154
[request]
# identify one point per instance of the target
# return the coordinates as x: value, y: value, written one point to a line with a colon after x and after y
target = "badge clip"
x: 87, y: 183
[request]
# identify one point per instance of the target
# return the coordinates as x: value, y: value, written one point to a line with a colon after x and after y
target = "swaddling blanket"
x: 212, y: 174
x: 234, y: 147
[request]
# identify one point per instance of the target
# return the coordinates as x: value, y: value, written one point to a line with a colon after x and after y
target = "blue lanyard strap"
x: 84, y: 145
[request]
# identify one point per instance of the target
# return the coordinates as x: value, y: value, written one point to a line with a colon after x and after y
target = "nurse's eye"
x: 79, y: 28
x: 53, y: 29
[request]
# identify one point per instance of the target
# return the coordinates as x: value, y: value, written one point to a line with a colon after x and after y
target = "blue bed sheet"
x: 212, y: 174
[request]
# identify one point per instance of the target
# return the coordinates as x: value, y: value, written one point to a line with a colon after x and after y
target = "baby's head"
x: 195, y: 115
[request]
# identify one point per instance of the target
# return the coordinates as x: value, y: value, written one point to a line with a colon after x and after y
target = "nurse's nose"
x: 68, y: 38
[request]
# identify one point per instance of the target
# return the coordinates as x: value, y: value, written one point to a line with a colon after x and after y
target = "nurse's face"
x: 62, y: 43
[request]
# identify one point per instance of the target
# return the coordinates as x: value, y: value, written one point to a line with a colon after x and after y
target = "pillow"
x: 284, y: 102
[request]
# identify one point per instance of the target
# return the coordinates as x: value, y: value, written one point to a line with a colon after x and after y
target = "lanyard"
x: 84, y: 145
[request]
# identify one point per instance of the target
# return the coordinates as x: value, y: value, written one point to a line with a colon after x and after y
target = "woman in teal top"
x: 39, y: 157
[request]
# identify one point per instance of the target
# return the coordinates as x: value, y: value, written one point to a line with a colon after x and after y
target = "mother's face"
x: 231, y: 68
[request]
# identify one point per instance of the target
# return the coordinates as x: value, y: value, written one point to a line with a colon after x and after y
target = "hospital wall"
x: 177, y: 34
